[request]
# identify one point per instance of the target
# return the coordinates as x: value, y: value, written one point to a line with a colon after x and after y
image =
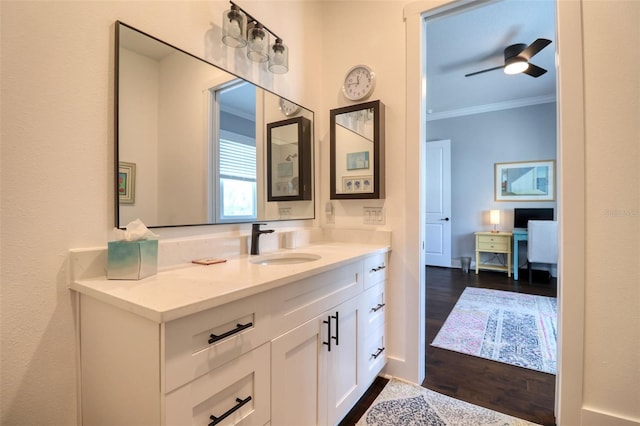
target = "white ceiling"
x: 474, y: 39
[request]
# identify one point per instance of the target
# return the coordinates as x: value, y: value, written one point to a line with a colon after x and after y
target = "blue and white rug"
x: 514, y: 328
x: 406, y: 404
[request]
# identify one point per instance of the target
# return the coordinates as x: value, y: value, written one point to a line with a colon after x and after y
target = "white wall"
x: 612, y: 286
x: 138, y: 142
x: 57, y: 158
x: 478, y: 142
x: 57, y: 164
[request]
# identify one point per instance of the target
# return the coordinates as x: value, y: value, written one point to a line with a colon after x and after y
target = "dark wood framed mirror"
x: 289, y: 160
x: 357, y: 151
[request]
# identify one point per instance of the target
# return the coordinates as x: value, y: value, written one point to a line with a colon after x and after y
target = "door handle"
x: 445, y: 219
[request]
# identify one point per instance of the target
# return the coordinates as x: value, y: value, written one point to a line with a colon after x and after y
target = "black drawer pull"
x: 239, y: 327
x: 379, y: 268
x: 328, y: 342
x: 240, y: 403
x: 378, y: 353
x: 377, y: 308
x: 337, y: 336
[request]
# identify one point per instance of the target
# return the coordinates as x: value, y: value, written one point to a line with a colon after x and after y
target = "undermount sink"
x: 284, y: 258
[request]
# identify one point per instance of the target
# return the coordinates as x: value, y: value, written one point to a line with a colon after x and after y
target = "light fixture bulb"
x: 515, y: 66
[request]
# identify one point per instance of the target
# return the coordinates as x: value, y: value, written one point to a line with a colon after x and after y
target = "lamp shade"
x: 234, y: 27
x: 515, y: 65
x: 494, y: 217
x: 257, y: 43
x: 279, y: 57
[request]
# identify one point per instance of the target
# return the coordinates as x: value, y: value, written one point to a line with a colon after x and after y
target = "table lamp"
x: 494, y: 219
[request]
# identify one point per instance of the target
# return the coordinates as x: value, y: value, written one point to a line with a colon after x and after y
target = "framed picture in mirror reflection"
x: 127, y: 182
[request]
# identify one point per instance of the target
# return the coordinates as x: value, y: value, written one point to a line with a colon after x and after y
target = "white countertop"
x: 190, y: 288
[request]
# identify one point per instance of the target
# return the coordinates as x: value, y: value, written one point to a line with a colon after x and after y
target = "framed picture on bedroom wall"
x: 525, y: 181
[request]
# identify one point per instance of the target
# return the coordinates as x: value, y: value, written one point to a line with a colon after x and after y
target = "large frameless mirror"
x: 191, y: 140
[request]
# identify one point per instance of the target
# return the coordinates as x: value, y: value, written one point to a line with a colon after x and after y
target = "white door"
x: 438, y: 203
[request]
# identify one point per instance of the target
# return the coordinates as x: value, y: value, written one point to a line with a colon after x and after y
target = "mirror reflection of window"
x: 234, y: 144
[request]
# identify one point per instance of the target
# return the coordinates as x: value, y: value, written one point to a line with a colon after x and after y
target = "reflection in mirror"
x: 289, y: 160
x: 357, y: 145
x: 190, y: 139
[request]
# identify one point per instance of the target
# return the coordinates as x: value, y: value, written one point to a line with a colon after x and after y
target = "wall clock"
x: 359, y: 83
x: 288, y: 108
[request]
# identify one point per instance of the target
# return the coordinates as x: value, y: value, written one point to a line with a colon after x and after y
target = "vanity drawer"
x: 240, y: 388
x: 373, y: 307
x: 375, y: 269
x: 196, y: 344
x: 374, y: 354
x: 297, y: 303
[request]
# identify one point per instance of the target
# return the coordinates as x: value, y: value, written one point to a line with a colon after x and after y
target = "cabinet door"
x: 343, y: 384
x: 296, y: 365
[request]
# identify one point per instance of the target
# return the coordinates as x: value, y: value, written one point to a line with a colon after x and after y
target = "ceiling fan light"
x: 516, y: 66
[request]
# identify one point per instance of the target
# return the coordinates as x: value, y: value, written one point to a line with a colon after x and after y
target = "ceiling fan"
x: 516, y: 59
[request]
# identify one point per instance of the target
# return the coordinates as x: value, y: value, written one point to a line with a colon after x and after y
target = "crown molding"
x: 519, y: 103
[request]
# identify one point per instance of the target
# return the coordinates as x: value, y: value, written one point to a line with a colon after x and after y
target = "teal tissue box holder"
x: 132, y: 260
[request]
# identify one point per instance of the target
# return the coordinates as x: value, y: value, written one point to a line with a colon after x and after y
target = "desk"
x: 493, y: 242
x: 518, y: 235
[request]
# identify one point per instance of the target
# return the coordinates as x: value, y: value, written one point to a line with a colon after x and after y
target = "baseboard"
x: 593, y: 417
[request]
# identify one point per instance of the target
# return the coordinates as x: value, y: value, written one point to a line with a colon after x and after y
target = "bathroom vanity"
x: 255, y: 340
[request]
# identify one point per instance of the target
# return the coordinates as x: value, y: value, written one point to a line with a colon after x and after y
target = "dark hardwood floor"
x: 516, y: 391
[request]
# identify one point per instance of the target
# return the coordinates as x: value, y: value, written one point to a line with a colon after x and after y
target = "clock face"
x: 288, y: 108
x: 359, y: 82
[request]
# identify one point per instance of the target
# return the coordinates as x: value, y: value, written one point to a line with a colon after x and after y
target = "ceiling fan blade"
x: 483, y: 71
x: 534, y: 71
x: 534, y: 48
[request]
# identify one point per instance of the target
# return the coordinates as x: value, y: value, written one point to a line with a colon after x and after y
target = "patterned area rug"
x: 514, y: 328
x: 404, y: 404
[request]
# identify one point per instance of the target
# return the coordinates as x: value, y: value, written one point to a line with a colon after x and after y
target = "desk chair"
x: 543, y: 243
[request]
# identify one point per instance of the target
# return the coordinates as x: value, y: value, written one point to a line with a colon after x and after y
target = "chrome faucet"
x: 255, y: 236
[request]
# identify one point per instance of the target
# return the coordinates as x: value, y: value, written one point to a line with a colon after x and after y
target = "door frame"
x: 571, y: 196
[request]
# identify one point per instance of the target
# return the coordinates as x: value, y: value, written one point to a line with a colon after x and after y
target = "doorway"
x: 484, y: 132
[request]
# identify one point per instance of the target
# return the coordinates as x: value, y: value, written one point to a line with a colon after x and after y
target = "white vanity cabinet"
x: 296, y: 353
x: 137, y: 372
x: 314, y: 369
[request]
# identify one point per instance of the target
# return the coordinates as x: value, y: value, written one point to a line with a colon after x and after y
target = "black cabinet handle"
x: 379, y: 268
x: 328, y: 343
x: 446, y: 219
x: 378, y: 353
x: 377, y: 308
x: 239, y: 327
x: 336, y: 337
x: 240, y: 403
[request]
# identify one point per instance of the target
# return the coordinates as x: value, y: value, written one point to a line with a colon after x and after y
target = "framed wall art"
x: 127, y: 182
x: 525, y: 181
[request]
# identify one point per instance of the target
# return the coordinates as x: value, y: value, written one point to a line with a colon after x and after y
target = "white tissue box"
x: 132, y: 260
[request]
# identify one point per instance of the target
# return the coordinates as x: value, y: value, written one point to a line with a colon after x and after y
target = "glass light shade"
x: 257, y: 43
x: 234, y: 27
x: 279, y: 58
x: 515, y: 66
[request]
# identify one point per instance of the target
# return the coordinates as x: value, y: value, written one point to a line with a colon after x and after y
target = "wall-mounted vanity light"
x: 239, y: 29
